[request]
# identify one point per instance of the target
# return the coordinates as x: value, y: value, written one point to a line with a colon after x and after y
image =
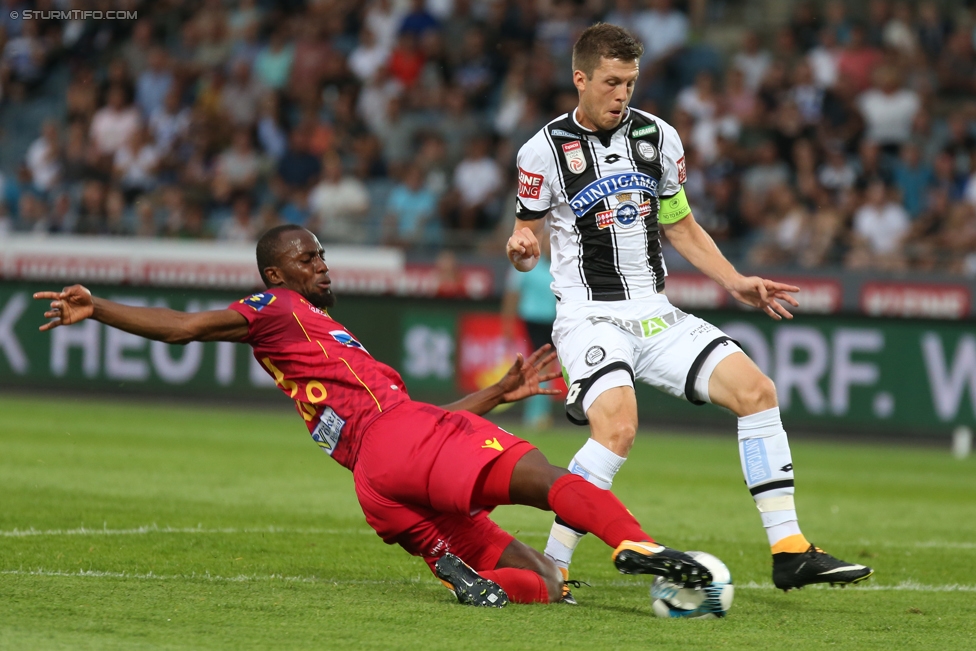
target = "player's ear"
x: 579, y: 80
x: 273, y: 274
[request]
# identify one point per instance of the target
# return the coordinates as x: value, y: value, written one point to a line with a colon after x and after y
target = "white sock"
x: 597, y: 465
x: 768, y: 469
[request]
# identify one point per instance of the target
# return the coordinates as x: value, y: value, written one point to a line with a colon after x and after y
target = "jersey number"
x: 315, y: 391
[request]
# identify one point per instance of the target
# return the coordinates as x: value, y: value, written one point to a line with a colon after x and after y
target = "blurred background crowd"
x: 816, y: 133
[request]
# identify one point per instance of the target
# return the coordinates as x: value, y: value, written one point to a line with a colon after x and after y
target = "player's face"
x: 604, y: 97
x: 301, y: 267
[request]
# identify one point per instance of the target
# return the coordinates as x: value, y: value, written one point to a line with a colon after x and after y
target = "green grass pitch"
x: 139, y: 526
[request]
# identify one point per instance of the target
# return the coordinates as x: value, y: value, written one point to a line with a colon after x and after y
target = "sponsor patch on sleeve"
x: 529, y: 184
x: 682, y: 171
x: 258, y: 302
x: 326, y: 434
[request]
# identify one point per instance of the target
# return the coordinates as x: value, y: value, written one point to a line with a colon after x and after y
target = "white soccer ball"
x: 671, y: 600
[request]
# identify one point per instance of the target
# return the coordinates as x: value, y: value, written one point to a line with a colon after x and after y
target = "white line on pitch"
x: 905, y: 586
x: 153, y: 528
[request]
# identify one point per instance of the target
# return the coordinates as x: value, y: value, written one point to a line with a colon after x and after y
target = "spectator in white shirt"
x: 170, y: 123
x: 477, y: 181
x: 670, y: 32
x: 238, y: 167
x: 880, y: 226
x: 368, y: 57
x: 888, y: 110
x: 114, y: 124
x: 136, y: 164
x: 43, y: 157
x: 753, y: 61
x: 339, y: 203
x: 823, y: 59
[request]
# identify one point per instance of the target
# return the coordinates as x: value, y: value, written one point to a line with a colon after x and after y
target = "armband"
x: 674, y: 208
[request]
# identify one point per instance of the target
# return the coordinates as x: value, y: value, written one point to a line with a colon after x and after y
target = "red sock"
x: 521, y: 586
x: 585, y: 507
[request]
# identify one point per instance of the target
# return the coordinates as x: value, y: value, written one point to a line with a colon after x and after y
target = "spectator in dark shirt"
x: 298, y: 169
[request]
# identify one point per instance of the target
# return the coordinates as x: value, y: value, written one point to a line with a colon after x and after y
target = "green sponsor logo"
x: 650, y: 129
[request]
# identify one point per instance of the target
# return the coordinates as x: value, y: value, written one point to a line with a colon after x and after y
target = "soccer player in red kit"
x: 426, y: 477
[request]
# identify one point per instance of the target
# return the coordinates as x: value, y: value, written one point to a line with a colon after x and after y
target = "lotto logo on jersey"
x: 258, y: 302
x: 346, y: 339
x: 682, y: 171
x: 575, y: 161
x: 529, y: 184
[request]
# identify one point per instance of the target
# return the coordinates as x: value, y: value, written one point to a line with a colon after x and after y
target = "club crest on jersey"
x: 575, y: 161
x: 258, y: 302
x: 647, y: 151
x: 346, y: 339
x: 625, y: 214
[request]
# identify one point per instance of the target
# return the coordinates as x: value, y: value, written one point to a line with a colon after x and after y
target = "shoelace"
x: 576, y: 584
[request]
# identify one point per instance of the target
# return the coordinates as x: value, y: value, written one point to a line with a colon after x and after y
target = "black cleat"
x: 568, y: 597
x: 651, y: 558
x: 469, y: 587
x: 815, y: 566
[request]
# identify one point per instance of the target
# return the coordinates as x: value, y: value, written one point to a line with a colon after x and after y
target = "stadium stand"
x: 817, y: 134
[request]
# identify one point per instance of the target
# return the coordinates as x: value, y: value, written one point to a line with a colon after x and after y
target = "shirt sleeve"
x: 534, y: 197
x: 672, y: 162
x: 259, y: 310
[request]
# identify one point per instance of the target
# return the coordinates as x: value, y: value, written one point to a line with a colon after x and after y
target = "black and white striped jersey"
x: 603, y: 192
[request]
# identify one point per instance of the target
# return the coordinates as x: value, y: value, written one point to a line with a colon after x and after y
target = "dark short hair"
x: 604, y: 41
x: 269, y: 246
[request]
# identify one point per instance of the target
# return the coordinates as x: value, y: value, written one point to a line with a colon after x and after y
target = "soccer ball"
x: 671, y: 600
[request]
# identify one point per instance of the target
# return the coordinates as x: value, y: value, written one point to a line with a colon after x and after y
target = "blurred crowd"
x: 845, y: 136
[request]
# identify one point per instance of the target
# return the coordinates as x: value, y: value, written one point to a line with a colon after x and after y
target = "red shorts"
x: 416, y: 472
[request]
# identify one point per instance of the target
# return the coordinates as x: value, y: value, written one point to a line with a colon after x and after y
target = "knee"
x: 755, y: 396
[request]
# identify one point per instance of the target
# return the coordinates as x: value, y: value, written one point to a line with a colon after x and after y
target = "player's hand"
x: 523, y: 249
x: 765, y: 295
x: 526, y: 376
x: 71, y: 305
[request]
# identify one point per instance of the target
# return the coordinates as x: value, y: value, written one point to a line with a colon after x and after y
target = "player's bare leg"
x: 738, y: 385
x: 613, y: 426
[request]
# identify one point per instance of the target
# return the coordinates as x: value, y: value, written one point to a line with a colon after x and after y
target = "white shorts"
x: 603, y: 344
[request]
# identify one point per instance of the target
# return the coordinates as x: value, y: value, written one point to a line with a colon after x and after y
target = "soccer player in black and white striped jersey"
x: 609, y: 179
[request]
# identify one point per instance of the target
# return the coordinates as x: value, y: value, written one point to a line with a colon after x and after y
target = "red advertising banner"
x: 915, y: 300
x: 692, y: 290
x: 817, y: 295
x: 484, y: 355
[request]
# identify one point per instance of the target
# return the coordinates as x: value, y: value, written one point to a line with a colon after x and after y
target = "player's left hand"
x: 765, y: 295
x: 526, y: 376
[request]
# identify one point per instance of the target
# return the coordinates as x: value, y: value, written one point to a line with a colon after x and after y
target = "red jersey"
x: 337, y: 386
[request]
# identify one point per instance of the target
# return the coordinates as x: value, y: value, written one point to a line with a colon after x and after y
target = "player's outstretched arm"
x: 76, y: 303
x: 698, y: 248
x: 523, y: 380
x: 523, y: 246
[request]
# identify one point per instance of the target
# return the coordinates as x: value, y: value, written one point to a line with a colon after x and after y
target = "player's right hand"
x: 71, y: 305
x: 523, y: 249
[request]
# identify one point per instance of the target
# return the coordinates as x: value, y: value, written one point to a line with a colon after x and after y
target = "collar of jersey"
x: 603, y: 136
